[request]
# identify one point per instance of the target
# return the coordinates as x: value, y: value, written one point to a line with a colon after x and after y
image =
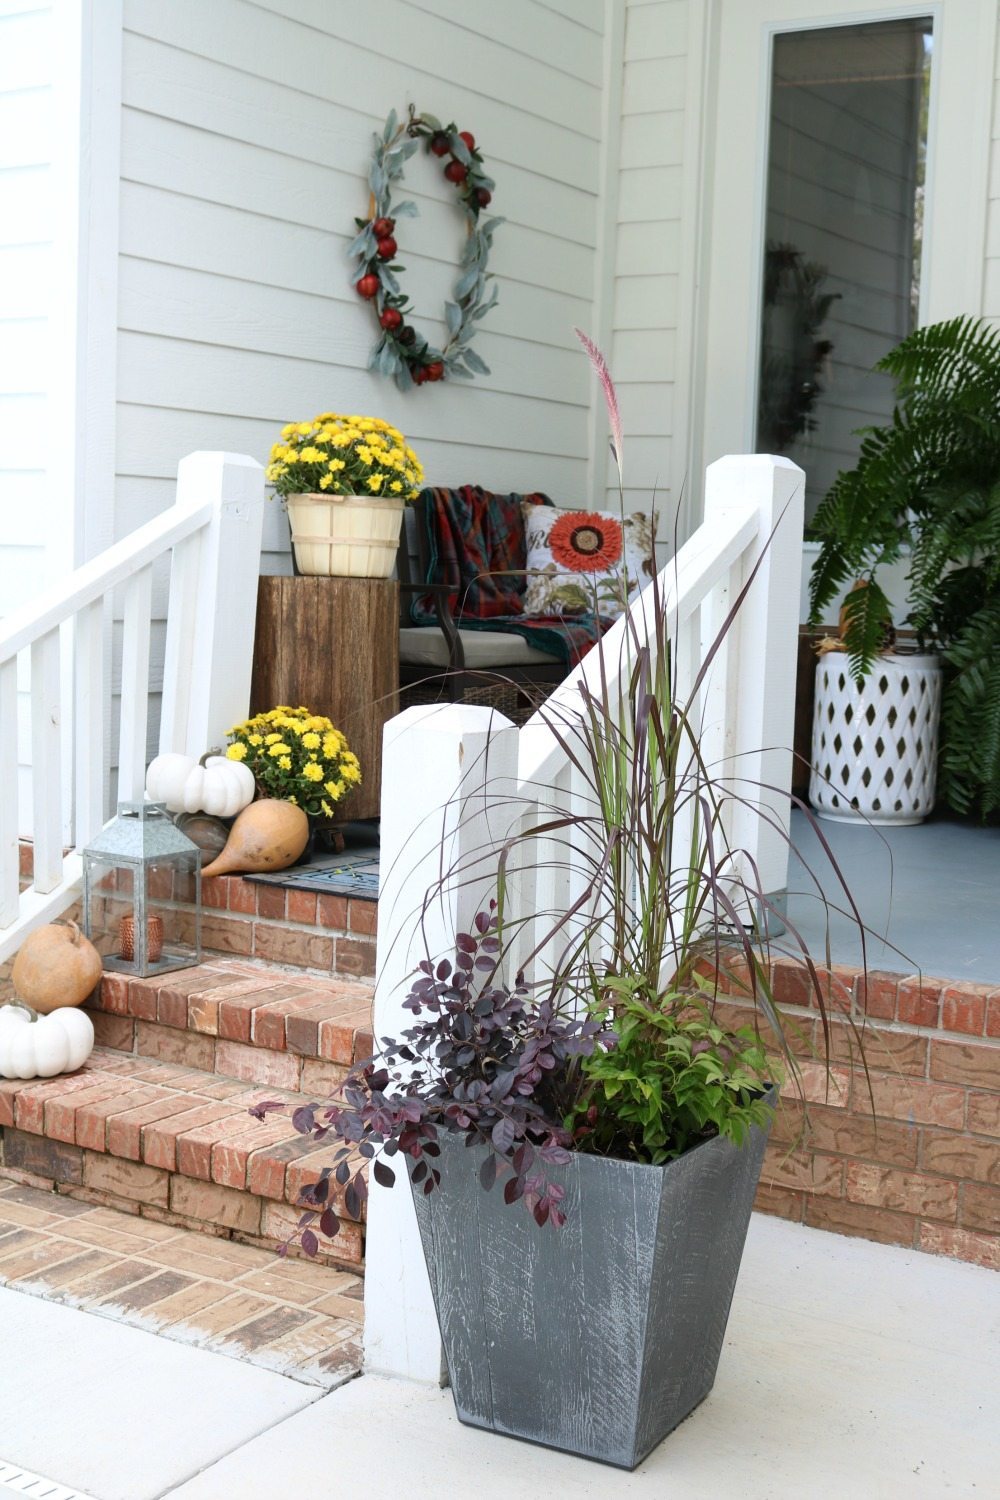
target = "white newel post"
x: 448, y: 778
x: 213, y: 604
x: 766, y: 645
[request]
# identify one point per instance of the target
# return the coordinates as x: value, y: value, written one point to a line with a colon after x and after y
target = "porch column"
x: 448, y: 776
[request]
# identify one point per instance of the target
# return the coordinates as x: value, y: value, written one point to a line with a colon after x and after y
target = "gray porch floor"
x: 932, y: 891
x: 850, y: 1371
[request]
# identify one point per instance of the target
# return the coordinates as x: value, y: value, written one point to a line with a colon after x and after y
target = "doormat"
x: 353, y: 873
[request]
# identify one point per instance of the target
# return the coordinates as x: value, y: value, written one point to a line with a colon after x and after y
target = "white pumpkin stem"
x: 205, y: 758
x: 18, y: 1004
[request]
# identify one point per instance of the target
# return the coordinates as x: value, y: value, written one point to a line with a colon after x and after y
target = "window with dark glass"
x: 843, y: 235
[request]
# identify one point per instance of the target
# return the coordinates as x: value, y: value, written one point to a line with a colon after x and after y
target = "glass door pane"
x: 845, y: 200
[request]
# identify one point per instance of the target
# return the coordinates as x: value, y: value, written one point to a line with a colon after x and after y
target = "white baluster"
x: 134, y: 686
x: 181, y: 643
x: 88, y: 727
x: 9, y: 857
x: 46, y: 768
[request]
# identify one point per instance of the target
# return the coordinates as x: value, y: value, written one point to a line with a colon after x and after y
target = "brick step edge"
x: 215, y: 1015
x: 273, y: 1226
x: 170, y: 1139
x: 963, y: 1007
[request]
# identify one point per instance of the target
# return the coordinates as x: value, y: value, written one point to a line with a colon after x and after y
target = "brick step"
x: 176, y: 1141
x: 259, y: 1025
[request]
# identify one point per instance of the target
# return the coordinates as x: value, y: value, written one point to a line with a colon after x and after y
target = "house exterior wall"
x: 662, y: 225
x: 32, y: 548
x: 246, y: 137
x: 647, y: 293
x: 245, y: 142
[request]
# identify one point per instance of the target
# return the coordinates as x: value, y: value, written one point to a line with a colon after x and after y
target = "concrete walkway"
x: 851, y: 1370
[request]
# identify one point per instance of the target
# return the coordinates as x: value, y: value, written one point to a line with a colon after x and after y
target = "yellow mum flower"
x: 256, y: 739
x: 325, y: 806
x: 329, y: 746
x: 374, y: 481
x: 312, y: 771
x: 280, y: 749
x: 305, y: 428
x: 334, y: 790
x: 285, y: 763
x: 325, y: 481
x: 395, y: 486
x: 312, y: 455
x: 335, y: 465
x: 271, y: 739
x: 351, y: 774
x: 237, y: 752
x: 311, y: 740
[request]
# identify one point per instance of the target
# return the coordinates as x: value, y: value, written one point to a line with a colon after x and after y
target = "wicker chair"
x: 443, y: 663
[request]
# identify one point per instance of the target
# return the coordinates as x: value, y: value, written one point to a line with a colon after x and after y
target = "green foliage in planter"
x: 673, y: 1078
x: 930, y: 482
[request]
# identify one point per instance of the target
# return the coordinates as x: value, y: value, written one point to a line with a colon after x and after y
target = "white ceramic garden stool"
x: 874, y: 748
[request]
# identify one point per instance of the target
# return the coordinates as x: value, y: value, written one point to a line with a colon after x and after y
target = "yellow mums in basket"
x: 297, y: 756
x: 344, y: 456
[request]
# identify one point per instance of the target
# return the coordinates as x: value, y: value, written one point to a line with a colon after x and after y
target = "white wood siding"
x: 991, y: 279
x: 26, y: 246
x: 246, y: 135
x: 647, y: 261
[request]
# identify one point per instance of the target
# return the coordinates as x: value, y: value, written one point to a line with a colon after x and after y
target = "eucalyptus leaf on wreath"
x: 400, y: 351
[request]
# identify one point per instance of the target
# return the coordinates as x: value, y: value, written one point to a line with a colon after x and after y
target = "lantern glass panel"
x: 142, y: 893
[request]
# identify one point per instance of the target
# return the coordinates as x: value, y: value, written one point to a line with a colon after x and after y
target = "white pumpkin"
x: 33, y: 1046
x: 214, y: 784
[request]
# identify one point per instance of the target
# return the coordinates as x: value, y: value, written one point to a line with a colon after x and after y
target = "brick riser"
x: 159, y: 1119
x: 252, y: 919
x: 255, y: 1024
x: 920, y: 1167
x: 178, y: 1143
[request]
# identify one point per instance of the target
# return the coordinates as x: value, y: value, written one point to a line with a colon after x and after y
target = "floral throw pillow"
x: 579, y: 560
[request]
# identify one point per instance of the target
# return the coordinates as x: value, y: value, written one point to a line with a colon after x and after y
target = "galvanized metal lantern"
x: 142, y: 893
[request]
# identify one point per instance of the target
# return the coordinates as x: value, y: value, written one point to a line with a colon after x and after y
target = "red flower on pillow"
x: 586, y: 542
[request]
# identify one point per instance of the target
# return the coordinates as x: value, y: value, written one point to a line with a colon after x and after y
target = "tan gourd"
x: 267, y: 835
x: 55, y: 966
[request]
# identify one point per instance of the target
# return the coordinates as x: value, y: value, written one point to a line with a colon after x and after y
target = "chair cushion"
x: 577, y: 559
x: 425, y: 646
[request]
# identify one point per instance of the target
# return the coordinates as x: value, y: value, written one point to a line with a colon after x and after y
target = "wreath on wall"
x: 401, y: 351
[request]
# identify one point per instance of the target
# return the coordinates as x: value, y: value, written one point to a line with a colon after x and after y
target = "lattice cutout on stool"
x: 874, y: 750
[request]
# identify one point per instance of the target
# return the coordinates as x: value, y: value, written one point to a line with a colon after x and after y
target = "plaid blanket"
x: 476, y: 545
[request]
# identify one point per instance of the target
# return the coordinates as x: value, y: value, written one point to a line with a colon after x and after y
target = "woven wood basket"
x: 345, y: 536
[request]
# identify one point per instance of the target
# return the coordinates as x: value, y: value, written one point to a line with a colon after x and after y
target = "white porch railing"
x: 455, y: 779
x: 62, y: 646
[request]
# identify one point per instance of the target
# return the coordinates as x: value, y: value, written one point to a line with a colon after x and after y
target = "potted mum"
x: 926, y: 487
x: 297, y: 756
x: 345, y: 481
x: 584, y: 1149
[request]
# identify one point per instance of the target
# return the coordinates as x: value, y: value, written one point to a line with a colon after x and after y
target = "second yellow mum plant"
x: 297, y: 756
x: 345, y: 455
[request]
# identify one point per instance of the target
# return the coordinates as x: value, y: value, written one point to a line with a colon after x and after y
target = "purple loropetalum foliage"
x: 484, y: 1060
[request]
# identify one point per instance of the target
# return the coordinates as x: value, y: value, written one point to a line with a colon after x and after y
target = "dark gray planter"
x: 599, y: 1337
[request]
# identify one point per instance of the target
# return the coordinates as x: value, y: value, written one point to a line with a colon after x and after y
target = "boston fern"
x: 930, y: 482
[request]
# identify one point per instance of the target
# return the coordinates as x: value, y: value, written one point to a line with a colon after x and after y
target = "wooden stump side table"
x: 332, y: 644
